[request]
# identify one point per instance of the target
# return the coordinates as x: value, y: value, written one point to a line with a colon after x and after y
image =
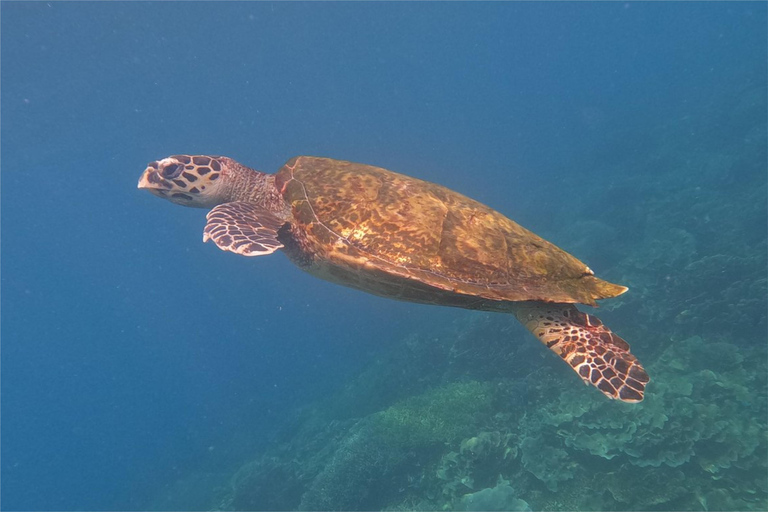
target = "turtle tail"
x: 600, y: 357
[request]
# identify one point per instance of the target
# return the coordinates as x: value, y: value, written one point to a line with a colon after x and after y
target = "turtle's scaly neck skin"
x: 251, y: 186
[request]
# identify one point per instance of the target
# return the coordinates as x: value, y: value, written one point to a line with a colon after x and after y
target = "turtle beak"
x: 151, y: 181
x: 150, y: 178
x: 144, y: 180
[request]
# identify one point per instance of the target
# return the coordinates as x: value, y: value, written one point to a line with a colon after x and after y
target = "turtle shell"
x: 405, y: 238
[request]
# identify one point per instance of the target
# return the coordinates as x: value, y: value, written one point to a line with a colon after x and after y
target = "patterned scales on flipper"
x: 600, y: 357
x: 243, y: 228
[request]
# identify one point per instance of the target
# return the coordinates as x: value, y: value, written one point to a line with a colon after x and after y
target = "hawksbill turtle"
x: 403, y: 238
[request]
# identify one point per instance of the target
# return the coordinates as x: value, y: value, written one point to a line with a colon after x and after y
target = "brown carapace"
x: 399, y: 237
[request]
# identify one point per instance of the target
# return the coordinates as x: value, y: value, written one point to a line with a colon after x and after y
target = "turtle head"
x: 188, y: 180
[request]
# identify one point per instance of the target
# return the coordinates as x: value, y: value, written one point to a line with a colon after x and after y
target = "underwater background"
x: 142, y: 369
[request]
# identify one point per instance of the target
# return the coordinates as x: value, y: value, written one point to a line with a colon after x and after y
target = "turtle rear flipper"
x: 599, y: 356
x: 243, y: 228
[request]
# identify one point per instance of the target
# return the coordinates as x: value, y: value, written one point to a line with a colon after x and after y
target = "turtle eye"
x: 171, y: 171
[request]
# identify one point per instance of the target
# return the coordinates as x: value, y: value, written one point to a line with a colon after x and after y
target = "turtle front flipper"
x: 600, y: 357
x: 243, y: 228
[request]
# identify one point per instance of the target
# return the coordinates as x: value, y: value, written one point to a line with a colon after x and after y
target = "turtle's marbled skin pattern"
x: 400, y: 237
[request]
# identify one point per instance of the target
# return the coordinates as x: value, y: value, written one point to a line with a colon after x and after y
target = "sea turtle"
x: 407, y: 239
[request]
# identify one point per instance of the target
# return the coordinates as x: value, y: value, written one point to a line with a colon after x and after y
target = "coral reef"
x: 500, y: 497
x: 697, y: 442
x: 383, y: 450
x: 706, y: 417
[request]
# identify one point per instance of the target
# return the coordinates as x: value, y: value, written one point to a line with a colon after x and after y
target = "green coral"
x: 500, y: 497
x: 550, y: 464
x: 441, y: 415
x: 360, y: 474
x: 384, y: 449
x: 478, y: 464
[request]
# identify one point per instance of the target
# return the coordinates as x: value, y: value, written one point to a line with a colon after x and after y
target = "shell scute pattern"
x: 423, y: 231
x: 370, y: 211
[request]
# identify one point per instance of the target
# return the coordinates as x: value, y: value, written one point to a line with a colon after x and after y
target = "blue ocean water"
x: 143, y: 369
